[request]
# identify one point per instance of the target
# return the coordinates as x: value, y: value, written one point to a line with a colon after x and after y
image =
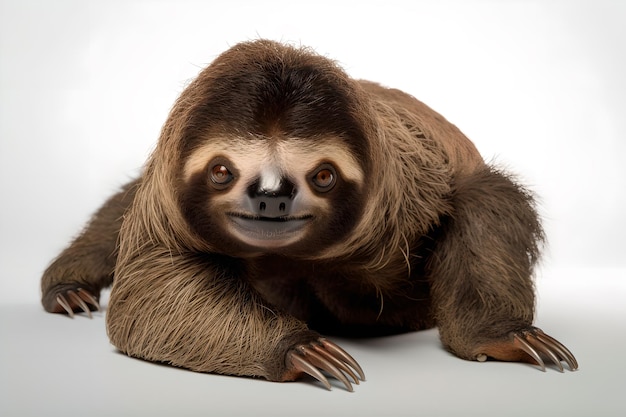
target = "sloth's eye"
x: 324, y: 178
x: 220, y: 175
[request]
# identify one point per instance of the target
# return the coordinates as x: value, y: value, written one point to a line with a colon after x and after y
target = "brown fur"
x: 436, y: 237
x: 89, y: 262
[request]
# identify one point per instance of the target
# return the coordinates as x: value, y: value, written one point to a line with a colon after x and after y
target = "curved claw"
x: 526, y: 347
x: 324, y: 364
x: 77, y: 299
x: 90, y: 299
x: 303, y: 365
x: 544, y: 349
x: 325, y: 356
x: 343, y: 355
x: 560, y: 349
x: 536, y: 343
x: 337, y: 363
x: 66, y: 306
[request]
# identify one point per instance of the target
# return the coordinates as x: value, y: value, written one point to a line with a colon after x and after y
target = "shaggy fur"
x: 430, y: 236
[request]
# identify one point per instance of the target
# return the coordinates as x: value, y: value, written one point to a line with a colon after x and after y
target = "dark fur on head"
x: 417, y: 230
x: 262, y: 88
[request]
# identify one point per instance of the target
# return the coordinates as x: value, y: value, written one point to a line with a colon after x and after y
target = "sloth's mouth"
x: 275, y: 231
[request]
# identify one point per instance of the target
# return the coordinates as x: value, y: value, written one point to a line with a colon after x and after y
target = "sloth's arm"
x: 195, y: 312
x: 482, y: 268
x: 74, y: 279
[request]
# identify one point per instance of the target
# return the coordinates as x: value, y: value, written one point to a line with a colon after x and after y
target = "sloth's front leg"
x: 73, y: 281
x: 481, y: 275
x: 194, y: 312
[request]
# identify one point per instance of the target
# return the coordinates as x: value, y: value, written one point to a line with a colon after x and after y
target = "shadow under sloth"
x: 285, y: 199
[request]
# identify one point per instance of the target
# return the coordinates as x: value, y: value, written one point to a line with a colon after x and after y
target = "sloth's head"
x: 273, y: 151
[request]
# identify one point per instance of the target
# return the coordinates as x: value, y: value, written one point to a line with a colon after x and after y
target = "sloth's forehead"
x: 251, y: 156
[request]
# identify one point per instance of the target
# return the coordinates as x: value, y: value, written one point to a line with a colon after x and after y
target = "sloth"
x: 285, y: 201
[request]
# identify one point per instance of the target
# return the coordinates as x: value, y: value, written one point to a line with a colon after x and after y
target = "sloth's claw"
x: 558, y: 349
x: 326, y: 356
x: 301, y: 364
x: 543, y: 349
x: 86, y: 295
x: 528, y: 348
x: 76, y: 300
x: 547, y: 346
x: 535, y: 345
x: 339, y: 364
x: 343, y: 355
x: 65, y: 305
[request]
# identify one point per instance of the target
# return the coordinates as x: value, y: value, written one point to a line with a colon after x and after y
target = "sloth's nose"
x: 271, y: 201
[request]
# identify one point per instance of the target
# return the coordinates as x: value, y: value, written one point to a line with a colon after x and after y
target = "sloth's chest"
x: 331, y: 295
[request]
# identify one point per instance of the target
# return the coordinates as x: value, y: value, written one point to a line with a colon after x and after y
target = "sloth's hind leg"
x: 482, y: 271
x: 73, y: 281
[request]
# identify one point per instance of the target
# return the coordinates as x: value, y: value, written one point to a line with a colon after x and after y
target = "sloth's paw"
x: 323, y: 356
x: 70, y: 300
x: 530, y: 345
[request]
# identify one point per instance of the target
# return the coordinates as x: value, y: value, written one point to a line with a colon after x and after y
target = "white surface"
x: 85, y: 86
x: 55, y: 366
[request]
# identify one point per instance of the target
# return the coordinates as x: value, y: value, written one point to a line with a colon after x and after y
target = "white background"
x: 539, y: 86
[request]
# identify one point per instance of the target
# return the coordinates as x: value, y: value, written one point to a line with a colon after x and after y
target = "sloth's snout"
x: 273, y: 200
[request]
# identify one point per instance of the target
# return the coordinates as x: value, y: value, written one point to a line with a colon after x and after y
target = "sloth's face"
x: 260, y: 195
